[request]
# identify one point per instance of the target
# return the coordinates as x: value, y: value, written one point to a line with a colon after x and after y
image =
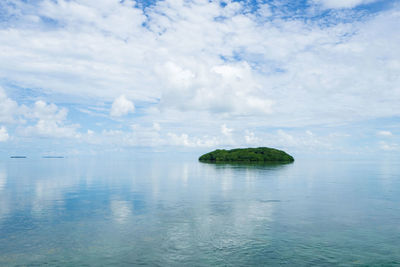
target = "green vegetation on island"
x: 247, y: 155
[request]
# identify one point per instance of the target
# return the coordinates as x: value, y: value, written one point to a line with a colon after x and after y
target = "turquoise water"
x: 66, y: 212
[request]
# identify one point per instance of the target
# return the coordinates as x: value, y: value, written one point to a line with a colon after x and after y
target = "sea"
x: 167, y: 211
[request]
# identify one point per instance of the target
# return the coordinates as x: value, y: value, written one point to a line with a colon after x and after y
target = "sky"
x: 88, y: 77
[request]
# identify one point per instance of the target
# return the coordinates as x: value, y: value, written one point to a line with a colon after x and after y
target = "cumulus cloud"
x: 50, y: 122
x: 229, y: 88
x: 46, y: 128
x: 49, y: 112
x: 3, y: 134
x: 8, y: 108
x: 121, y: 106
x: 251, y: 139
x: 225, y: 130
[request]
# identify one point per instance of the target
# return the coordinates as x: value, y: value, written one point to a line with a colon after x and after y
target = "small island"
x: 247, y: 155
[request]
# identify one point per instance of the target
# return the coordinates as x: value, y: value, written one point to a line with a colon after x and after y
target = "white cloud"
x: 269, y: 67
x: 3, y: 134
x: 144, y: 136
x: 156, y: 126
x: 226, y: 131
x: 121, y: 106
x: 285, y: 138
x: 342, y: 3
x: 47, y: 112
x: 384, y: 133
x: 55, y: 129
x: 228, y: 66
x: 50, y: 122
x: 295, y: 140
x: 251, y: 139
x: 8, y: 108
x: 186, y: 141
x: 229, y: 88
x: 264, y: 10
x: 389, y: 146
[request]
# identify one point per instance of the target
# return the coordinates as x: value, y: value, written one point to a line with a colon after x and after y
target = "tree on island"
x: 260, y: 154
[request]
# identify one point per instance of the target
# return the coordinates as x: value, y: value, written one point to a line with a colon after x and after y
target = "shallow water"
x: 93, y: 212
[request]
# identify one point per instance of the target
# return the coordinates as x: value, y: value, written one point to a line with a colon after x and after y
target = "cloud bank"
x: 191, y: 68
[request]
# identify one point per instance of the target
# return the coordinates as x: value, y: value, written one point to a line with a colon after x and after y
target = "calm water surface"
x: 66, y: 212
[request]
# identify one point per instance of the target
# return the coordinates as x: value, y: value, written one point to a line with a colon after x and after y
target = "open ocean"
x: 180, y: 212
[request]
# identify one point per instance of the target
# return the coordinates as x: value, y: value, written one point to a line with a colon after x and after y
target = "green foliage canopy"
x: 260, y: 154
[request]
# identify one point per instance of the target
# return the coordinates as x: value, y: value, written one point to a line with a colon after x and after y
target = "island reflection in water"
x: 158, y: 212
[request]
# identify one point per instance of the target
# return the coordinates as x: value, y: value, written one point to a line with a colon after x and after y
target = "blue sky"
x: 89, y: 77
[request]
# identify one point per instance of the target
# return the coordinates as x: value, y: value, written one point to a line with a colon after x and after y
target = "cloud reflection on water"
x: 4, y: 202
x: 3, y: 178
x: 167, y: 211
